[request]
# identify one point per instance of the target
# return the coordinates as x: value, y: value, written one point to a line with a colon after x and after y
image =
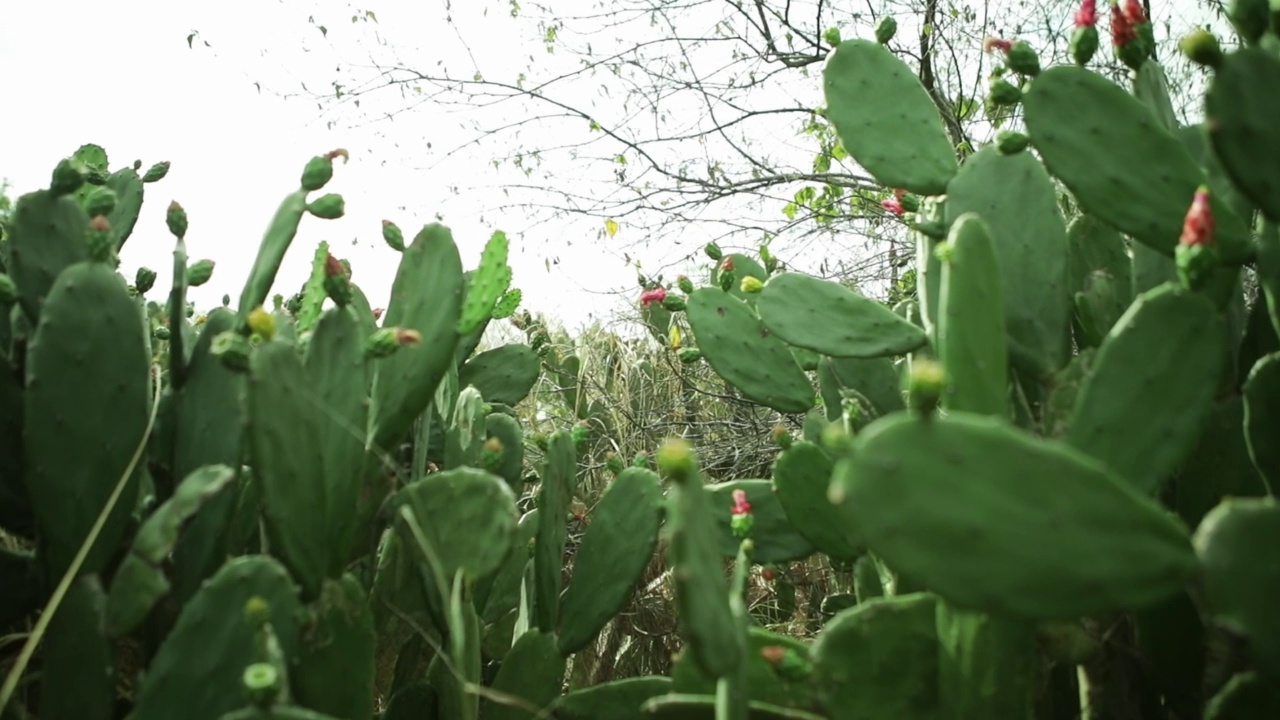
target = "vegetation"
x: 1038, y: 483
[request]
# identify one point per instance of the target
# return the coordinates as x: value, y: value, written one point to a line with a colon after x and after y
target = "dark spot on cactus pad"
x: 764, y: 332
x: 720, y: 311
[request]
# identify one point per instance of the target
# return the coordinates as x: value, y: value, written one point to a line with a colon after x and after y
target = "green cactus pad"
x: 1094, y: 246
x: 621, y: 537
x: 867, y: 583
x: 79, y: 678
x: 427, y: 297
x: 339, y: 377
x: 1151, y: 88
x: 559, y: 476
x: 886, y: 119
x: 616, y: 700
x: 743, y: 266
x: 507, y: 430
x: 1017, y: 200
x: 1195, y: 138
x: 694, y: 555
x: 776, y: 539
x: 800, y: 478
x: 830, y: 319
x: 271, y: 251
x: 1045, y: 531
x: 46, y: 234
x: 140, y: 582
x: 764, y: 682
x: 415, y: 701
x: 127, y: 185
x: 1241, y: 575
x: 1262, y: 418
x: 1242, y: 124
x: 86, y: 409
x: 500, y: 593
x: 196, y: 673
x: 209, y: 419
x: 988, y: 666
x: 875, y: 379
x: 284, y: 436
x: 335, y: 669
x: 532, y: 671
x: 879, y: 660
x: 1122, y: 167
x: 488, y: 283
x: 971, y: 321
x: 1218, y: 468
x: 468, y: 515
x: 503, y: 375
x: 678, y: 706
x: 745, y: 353
x: 1151, y: 386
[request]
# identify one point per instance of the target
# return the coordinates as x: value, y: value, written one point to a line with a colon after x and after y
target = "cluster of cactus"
x: 1046, y: 478
x: 1048, y: 475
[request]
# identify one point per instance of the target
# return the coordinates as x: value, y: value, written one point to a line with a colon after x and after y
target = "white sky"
x: 121, y: 75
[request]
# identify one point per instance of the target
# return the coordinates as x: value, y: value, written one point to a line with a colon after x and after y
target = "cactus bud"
x: 832, y: 36
x: 327, y: 207
x: 491, y: 455
x: 1002, y: 92
x: 160, y: 333
x: 392, y: 236
x: 909, y: 202
x: 836, y: 439
x: 580, y: 432
x: 893, y: 206
x: 145, y: 279
x: 226, y: 300
x: 740, y: 518
x: 673, y: 303
x: 199, y: 272
x: 1022, y: 59
x: 337, y: 283
x: 384, y: 342
x: 68, y: 176
x: 713, y: 251
x: 782, y: 436
x: 1201, y: 47
x: 658, y: 295
x: 156, y: 172
x: 690, y: 355
x: 102, y: 246
x: 232, y: 349
x: 262, y: 684
x: 640, y: 460
x: 769, y: 574
x: 319, y: 170
x: 257, y: 612
x: 926, y: 385
x: 262, y: 323
x: 677, y: 460
x: 685, y: 284
x: 8, y: 290
x: 176, y: 218
x: 1197, y: 253
x: 751, y: 285
x: 766, y: 257
x: 674, y: 336
x: 99, y: 201
x: 726, y: 280
x: 613, y: 463
x: 1011, y: 143
x: 886, y: 29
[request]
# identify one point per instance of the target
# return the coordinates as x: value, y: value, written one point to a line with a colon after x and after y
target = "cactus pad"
x: 1241, y: 119
x: 775, y: 537
x: 46, y: 234
x: 504, y: 374
x: 743, y: 351
x: 468, y: 515
x: 830, y: 319
x: 800, y: 478
x: 886, y: 119
x: 971, y: 321
x: 1045, y: 531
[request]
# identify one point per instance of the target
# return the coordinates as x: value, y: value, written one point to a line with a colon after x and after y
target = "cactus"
x: 827, y: 318
x: 614, y: 553
x: 800, y: 478
x: 1243, y: 137
x: 503, y: 375
x: 532, y: 671
x: 558, y: 480
x: 971, y: 325
x: 80, y: 674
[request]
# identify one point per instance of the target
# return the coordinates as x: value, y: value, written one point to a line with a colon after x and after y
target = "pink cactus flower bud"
x: 727, y: 265
x: 1122, y: 30
x: 740, y: 504
x: 893, y: 205
x: 992, y: 44
x: 377, y: 313
x: 1197, y: 228
x: 657, y: 295
x: 769, y: 574
x: 1087, y: 15
x: 1134, y: 13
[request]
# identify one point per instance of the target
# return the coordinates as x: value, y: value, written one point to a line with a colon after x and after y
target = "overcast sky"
x: 122, y: 75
